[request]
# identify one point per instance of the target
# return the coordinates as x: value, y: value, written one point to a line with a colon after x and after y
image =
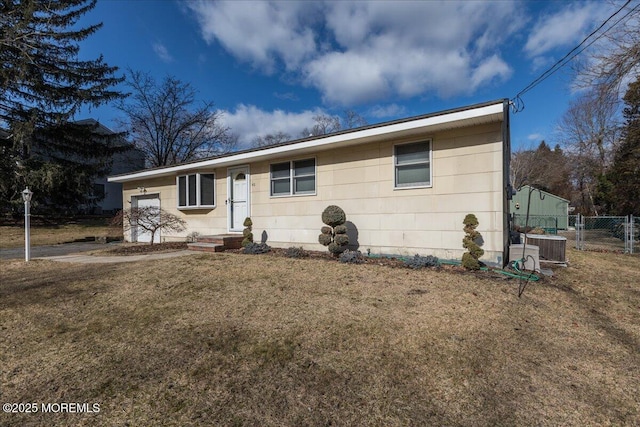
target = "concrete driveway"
x: 73, y: 252
x: 54, y: 250
x: 89, y: 259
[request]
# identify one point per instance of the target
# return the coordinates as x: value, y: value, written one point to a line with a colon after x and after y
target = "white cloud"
x: 162, y: 52
x: 257, y: 32
x: 534, y: 137
x: 362, y: 51
x: 566, y: 28
x: 491, y: 68
x: 386, y: 111
x: 249, y: 121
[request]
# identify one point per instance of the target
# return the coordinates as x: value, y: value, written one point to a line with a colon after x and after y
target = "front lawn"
x: 12, y: 236
x: 254, y: 340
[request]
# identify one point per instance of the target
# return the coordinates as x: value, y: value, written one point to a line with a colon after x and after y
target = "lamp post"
x: 26, y: 196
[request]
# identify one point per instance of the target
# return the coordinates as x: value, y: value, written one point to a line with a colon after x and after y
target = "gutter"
x: 344, y: 138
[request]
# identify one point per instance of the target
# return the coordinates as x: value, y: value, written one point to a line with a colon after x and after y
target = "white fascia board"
x: 368, y: 134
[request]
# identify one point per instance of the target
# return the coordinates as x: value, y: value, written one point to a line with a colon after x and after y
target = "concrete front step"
x: 220, y: 242
x: 205, y: 247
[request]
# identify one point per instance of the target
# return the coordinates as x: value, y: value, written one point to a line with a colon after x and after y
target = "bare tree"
x: 150, y: 219
x: 324, y: 124
x: 616, y: 59
x: 589, y: 132
x: 542, y: 168
x: 166, y: 123
x: 521, y: 168
x: 353, y: 120
x: 270, y: 139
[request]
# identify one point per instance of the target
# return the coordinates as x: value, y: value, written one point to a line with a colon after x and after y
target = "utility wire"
x: 518, y: 104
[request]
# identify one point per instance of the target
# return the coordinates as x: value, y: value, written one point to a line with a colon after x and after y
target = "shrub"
x: 333, y: 215
x: 324, y: 239
x: 472, y: 242
x: 151, y: 219
x: 469, y: 262
x: 341, y: 239
x: 334, y: 234
x: 336, y: 249
x: 256, y: 248
x: 294, y: 252
x: 193, y: 236
x: 340, y: 229
x: 246, y: 233
x: 351, y: 257
x: 422, y: 261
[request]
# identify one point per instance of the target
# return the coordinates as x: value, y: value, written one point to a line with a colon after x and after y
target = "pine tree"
x: 43, y: 85
x: 624, y: 174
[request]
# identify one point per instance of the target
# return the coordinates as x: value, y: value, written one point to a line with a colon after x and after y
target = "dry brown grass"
x: 13, y: 236
x: 230, y: 339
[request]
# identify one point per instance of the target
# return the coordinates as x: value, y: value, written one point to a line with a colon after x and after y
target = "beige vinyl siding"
x: 466, y: 178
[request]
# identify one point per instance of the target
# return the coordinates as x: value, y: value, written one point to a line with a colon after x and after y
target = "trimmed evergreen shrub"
x: 351, y: 257
x: 246, y: 233
x: 472, y: 241
x: 294, y: 252
x: 324, y: 239
x: 421, y: 261
x: 341, y: 239
x: 256, y: 248
x: 336, y: 249
x: 334, y: 235
x: 340, y: 229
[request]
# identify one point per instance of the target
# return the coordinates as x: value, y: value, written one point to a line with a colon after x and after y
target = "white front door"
x: 139, y: 234
x: 238, y: 201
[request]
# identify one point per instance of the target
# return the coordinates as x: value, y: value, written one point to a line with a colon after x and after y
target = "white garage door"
x: 139, y: 234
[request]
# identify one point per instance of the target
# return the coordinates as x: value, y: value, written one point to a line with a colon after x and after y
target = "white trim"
x: 291, y: 193
x: 395, y: 176
x: 134, y: 199
x: 198, y: 204
x: 247, y: 170
x: 486, y: 114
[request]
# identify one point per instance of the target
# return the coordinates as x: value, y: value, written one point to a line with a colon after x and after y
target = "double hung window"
x: 412, y: 164
x: 293, y: 178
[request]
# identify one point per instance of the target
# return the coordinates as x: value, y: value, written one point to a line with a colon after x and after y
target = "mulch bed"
x: 141, y: 249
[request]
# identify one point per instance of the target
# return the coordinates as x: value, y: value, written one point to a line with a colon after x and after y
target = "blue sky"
x: 272, y: 66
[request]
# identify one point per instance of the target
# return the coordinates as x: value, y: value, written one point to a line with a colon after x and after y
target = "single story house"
x: 405, y: 186
x: 546, y: 210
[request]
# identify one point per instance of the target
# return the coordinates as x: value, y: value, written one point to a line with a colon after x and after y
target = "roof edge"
x: 320, y: 140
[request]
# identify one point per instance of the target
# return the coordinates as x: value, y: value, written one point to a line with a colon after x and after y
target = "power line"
x: 517, y: 102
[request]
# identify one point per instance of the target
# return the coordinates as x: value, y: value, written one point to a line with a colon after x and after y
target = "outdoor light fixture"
x: 26, y: 196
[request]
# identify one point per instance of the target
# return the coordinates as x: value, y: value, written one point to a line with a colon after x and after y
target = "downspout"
x: 508, y: 191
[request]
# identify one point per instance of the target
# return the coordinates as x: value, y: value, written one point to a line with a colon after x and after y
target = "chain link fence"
x: 594, y: 233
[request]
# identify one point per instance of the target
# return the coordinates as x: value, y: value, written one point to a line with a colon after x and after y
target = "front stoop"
x: 217, y: 243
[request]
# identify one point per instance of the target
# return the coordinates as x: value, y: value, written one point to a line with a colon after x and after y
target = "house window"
x: 412, y: 164
x: 293, y: 178
x: 196, y: 190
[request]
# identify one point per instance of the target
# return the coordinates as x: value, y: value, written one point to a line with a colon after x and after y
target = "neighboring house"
x: 550, y: 212
x: 404, y: 185
x: 109, y: 194
x: 106, y: 196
